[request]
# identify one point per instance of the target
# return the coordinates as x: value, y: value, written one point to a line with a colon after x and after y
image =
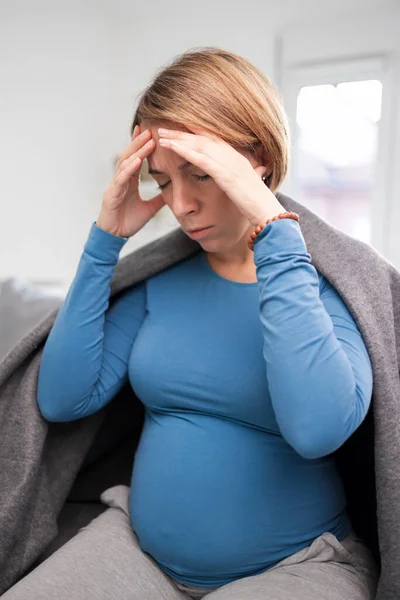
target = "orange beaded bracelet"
x: 260, y: 227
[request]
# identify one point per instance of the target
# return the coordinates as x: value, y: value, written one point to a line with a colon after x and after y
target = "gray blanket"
x: 39, y: 462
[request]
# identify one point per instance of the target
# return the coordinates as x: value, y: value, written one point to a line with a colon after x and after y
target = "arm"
x: 318, y: 369
x: 85, y: 358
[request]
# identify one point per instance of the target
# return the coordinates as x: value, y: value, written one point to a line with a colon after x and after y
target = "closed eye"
x: 197, y: 177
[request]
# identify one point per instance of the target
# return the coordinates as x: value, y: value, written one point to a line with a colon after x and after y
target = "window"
x: 335, y: 152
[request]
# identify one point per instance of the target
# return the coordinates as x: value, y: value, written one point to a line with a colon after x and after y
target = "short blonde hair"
x: 223, y: 93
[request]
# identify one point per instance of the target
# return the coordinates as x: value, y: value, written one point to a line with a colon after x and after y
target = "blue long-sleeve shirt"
x: 248, y: 389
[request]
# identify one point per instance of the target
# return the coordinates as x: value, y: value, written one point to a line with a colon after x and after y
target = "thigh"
x: 325, y: 570
x: 102, y: 561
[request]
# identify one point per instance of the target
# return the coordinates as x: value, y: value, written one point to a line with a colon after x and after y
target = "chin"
x: 210, y: 245
x: 215, y: 245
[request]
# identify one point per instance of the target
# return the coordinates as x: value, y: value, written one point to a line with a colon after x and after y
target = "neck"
x: 238, y: 256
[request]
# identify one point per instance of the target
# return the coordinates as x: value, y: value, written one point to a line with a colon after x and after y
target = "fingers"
x: 184, y: 135
x: 192, y: 155
x: 123, y: 175
x: 131, y: 165
x: 138, y: 140
x: 174, y: 133
x: 131, y: 158
x: 141, y: 153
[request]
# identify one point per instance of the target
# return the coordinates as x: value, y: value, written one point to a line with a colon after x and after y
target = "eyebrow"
x: 184, y: 165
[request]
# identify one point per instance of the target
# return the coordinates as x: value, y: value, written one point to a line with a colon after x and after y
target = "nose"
x: 183, y: 201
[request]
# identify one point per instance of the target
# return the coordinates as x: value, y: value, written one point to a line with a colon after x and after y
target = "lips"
x: 198, y: 234
x: 198, y: 229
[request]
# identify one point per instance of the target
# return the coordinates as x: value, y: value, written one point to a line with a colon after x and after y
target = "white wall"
x: 70, y: 74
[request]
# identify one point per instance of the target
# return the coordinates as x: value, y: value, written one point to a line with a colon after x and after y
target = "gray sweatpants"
x: 104, y: 561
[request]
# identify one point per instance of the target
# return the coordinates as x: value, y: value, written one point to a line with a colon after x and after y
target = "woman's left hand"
x: 230, y: 170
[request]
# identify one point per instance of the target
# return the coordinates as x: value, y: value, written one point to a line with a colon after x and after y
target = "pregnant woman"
x: 250, y: 367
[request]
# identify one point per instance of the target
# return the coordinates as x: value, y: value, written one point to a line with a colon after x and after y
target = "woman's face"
x: 195, y: 200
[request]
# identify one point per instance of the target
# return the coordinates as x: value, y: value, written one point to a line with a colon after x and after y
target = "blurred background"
x: 70, y: 76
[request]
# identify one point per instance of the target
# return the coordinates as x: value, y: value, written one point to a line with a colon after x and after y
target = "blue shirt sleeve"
x: 318, y: 369
x: 85, y: 357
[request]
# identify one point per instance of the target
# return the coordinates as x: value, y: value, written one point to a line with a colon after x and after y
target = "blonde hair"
x: 223, y: 93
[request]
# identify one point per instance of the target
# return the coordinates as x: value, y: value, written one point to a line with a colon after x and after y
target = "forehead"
x: 161, y: 160
x: 156, y: 160
x: 182, y: 166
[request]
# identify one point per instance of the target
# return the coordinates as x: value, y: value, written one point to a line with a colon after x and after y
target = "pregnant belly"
x: 211, y: 497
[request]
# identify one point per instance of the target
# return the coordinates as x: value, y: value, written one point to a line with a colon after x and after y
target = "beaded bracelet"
x: 260, y: 227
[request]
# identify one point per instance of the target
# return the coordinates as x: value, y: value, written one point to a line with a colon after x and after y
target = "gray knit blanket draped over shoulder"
x: 39, y: 461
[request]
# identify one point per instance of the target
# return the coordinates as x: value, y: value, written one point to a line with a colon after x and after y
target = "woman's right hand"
x: 123, y: 212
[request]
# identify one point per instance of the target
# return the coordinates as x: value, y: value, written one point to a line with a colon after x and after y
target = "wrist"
x: 105, y: 226
x: 263, y: 213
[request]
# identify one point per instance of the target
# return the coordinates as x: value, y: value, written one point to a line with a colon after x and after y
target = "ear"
x: 261, y: 170
x: 261, y: 160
